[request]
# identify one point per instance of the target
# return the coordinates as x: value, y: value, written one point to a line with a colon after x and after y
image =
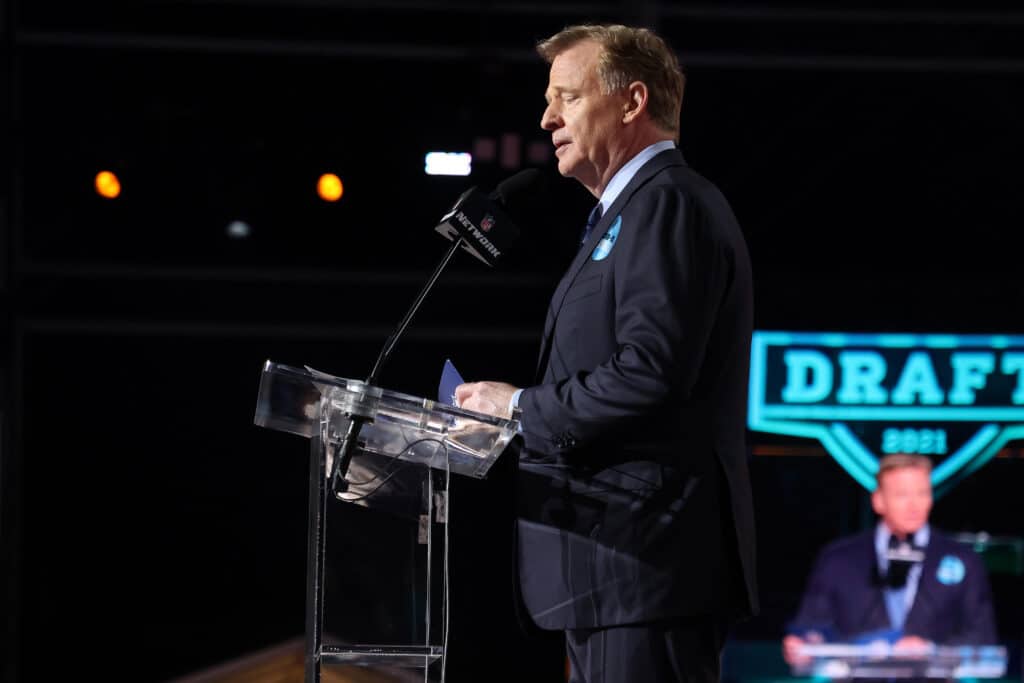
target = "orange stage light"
x: 107, y: 185
x: 329, y: 187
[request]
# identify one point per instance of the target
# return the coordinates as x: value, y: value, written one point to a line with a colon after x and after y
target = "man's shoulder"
x: 670, y: 168
x: 942, y: 542
x: 847, y: 546
x: 669, y: 173
x: 667, y: 181
x: 953, y: 563
x: 673, y: 178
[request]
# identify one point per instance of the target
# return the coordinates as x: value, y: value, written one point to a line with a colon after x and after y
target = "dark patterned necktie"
x: 592, y: 219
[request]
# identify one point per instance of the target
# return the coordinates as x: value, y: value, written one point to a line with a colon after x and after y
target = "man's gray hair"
x: 629, y: 54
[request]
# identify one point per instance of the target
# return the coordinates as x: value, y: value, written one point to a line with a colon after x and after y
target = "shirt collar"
x: 628, y: 170
x: 882, y: 534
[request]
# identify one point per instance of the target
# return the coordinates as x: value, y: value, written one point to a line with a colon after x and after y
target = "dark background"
x: 873, y: 157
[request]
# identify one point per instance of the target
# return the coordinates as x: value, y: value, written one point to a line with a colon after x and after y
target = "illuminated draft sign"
x: 955, y: 398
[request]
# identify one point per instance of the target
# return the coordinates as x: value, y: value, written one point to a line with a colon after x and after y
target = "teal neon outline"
x: 965, y: 454
x: 864, y: 474
x: 894, y: 413
x: 867, y: 460
x: 1005, y: 435
x: 888, y: 339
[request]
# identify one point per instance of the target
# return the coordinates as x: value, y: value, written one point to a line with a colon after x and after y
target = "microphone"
x: 483, y: 222
x: 902, y: 556
x: 481, y: 225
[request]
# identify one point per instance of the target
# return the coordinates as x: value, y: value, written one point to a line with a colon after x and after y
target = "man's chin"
x: 908, y: 529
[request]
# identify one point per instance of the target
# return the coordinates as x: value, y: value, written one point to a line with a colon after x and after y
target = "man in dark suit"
x: 902, y: 581
x: 635, y: 530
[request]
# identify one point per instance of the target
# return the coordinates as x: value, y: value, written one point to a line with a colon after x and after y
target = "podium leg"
x: 317, y: 654
x: 315, y: 552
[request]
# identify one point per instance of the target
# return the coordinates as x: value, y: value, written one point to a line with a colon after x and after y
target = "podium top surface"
x: 310, y: 403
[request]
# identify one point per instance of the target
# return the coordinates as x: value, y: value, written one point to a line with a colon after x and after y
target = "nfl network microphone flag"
x: 487, y: 231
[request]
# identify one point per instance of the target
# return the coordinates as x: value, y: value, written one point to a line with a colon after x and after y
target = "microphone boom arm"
x: 393, y: 339
x: 346, y: 447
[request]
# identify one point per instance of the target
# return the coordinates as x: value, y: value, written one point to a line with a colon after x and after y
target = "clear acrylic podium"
x: 406, y: 448
x: 880, y: 660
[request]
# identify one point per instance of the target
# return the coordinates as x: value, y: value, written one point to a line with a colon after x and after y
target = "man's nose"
x: 549, y: 119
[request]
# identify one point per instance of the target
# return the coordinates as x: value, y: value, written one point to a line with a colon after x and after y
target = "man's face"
x: 903, y: 499
x: 583, y: 121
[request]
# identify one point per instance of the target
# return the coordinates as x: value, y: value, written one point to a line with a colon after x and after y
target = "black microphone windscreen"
x: 512, y: 188
x: 526, y: 196
x: 490, y: 224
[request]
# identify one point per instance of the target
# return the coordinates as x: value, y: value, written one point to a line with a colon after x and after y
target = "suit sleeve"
x: 976, y: 625
x: 816, y: 612
x: 668, y: 278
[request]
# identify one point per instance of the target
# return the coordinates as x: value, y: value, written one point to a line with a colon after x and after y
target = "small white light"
x: 239, y: 230
x: 448, y: 163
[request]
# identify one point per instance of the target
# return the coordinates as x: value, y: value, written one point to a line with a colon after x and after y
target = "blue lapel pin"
x: 604, y: 247
x: 951, y: 570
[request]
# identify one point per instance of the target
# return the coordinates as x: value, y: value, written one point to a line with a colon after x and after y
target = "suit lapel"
x: 924, y: 598
x: 671, y: 157
x: 876, y: 616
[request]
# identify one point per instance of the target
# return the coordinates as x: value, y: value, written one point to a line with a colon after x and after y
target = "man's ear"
x: 877, y: 503
x: 636, y: 101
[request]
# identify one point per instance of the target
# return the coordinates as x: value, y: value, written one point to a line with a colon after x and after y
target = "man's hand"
x: 913, y: 646
x: 491, y: 398
x: 791, y: 648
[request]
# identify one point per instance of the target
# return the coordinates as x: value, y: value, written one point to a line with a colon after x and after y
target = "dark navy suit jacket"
x: 635, y: 500
x: 844, y: 598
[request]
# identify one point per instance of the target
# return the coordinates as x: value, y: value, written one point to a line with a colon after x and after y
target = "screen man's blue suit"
x: 844, y: 600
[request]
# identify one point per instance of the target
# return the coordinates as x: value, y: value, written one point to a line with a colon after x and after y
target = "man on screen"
x: 903, y: 581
